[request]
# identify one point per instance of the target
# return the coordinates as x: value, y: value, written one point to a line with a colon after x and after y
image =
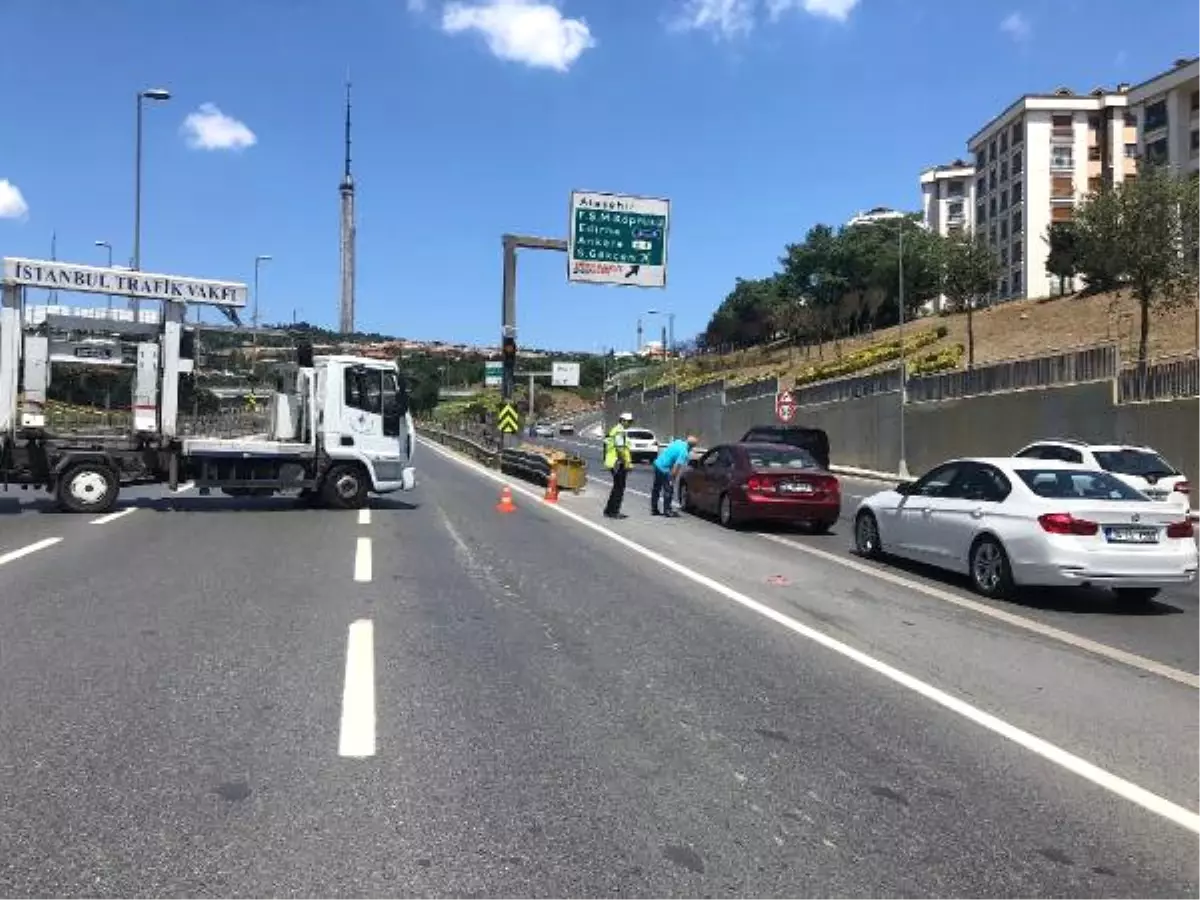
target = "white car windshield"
x: 1074, y: 484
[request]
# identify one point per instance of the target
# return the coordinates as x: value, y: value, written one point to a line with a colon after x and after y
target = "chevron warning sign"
x: 508, y: 420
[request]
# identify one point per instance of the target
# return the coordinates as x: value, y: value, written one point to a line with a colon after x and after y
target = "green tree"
x: 969, y: 272
x: 1063, y: 260
x: 1100, y: 240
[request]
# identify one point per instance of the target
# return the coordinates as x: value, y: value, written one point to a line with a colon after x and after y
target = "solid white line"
x: 1049, y: 631
x: 357, y: 736
x: 112, y: 517
x: 27, y: 550
x: 364, y: 517
x: 1102, y: 778
x: 362, y: 560
x: 186, y: 486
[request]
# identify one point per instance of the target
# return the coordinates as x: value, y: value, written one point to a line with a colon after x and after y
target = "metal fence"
x: 657, y: 393
x: 885, y: 382
x: 763, y: 387
x: 1167, y: 379
x: 1072, y: 367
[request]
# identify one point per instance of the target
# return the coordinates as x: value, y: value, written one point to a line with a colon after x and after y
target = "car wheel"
x: 991, y: 573
x: 1136, y: 595
x: 345, y: 487
x: 88, y: 488
x: 685, y: 498
x: 725, y: 512
x: 866, y: 535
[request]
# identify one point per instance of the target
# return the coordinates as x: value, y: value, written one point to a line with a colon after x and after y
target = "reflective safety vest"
x: 614, y: 442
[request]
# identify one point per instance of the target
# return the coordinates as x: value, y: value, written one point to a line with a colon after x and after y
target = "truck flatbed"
x: 244, y: 448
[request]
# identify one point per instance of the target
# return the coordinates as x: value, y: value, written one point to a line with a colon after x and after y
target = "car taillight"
x: 760, y: 484
x: 1065, y: 523
x: 1183, y: 487
x: 1182, y: 529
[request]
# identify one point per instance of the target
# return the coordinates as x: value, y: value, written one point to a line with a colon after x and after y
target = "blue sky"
x: 757, y: 118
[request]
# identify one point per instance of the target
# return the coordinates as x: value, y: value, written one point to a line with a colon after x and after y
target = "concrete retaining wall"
x: 864, y: 432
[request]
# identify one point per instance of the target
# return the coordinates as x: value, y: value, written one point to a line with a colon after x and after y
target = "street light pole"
x: 258, y: 260
x: 150, y: 94
x: 903, y: 466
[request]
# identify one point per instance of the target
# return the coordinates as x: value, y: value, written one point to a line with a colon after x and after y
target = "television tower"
x: 346, y: 189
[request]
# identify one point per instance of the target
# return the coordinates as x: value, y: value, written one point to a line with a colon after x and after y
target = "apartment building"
x: 1034, y: 163
x: 1166, y: 109
x: 948, y: 198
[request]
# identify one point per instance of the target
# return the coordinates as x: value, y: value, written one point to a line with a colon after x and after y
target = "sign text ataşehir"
x: 120, y: 282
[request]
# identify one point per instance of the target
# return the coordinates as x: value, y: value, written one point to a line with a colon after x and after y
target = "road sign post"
x: 618, y: 239
x: 785, y: 406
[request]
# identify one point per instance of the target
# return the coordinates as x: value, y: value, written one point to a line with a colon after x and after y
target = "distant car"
x: 543, y: 429
x: 814, y: 440
x: 643, y: 446
x: 747, y: 482
x: 1009, y: 522
x: 1141, y: 468
x: 566, y: 428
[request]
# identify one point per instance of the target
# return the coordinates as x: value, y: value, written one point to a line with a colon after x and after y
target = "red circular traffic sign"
x: 785, y: 406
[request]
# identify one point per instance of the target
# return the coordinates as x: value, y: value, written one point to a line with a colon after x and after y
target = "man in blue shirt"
x: 667, y: 466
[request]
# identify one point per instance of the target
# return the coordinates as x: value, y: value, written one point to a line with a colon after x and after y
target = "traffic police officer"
x: 618, y: 461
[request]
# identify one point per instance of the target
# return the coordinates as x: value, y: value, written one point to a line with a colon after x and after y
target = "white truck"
x: 339, y: 427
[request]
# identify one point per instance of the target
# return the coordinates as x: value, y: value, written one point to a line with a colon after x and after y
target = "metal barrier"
x: 1168, y: 379
x: 708, y: 389
x: 1072, y: 367
x: 529, y: 464
x: 474, y: 449
x: 763, y: 387
x: 885, y: 382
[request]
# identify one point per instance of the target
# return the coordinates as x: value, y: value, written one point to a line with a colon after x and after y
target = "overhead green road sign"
x: 618, y: 239
x: 493, y: 373
x: 507, y: 419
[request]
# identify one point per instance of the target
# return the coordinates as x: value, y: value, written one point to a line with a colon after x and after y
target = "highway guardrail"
x: 527, y: 462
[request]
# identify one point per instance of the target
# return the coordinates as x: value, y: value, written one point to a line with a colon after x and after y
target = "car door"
x: 698, y: 480
x: 914, y: 516
x: 363, y: 425
x: 974, y: 499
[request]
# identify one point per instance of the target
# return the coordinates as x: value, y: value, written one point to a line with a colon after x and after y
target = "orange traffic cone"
x: 552, y: 487
x: 505, y: 505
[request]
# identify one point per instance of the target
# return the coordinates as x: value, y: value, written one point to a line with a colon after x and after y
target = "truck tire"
x: 88, y: 487
x: 345, y: 487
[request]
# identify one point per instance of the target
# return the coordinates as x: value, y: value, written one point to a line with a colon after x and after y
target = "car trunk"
x: 797, y: 484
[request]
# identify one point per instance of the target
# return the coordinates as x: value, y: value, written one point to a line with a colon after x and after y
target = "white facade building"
x: 948, y: 198
x: 1034, y: 163
x: 1166, y: 109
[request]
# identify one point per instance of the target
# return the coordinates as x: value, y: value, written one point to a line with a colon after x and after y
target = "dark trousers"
x: 617, y: 494
x: 664, y: 487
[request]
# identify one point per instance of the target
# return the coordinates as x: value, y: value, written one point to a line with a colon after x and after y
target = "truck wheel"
x: 345, y: 487
x: 88, y: 488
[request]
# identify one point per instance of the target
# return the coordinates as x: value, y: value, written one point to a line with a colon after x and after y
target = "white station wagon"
x: 1008, y: 522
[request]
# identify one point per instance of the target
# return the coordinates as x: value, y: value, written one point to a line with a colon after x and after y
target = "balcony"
x: 1062, y: 189
x: 1062, y: 132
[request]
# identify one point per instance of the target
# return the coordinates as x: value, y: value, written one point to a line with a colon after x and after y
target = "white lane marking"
x: 28, y: 549
x: 1102, y: 778
x: 364, y: 517
x: 186, y: 486
x: 1106, y: 651
x: 362, y: 559
x: 112, y: 517
x: 357, y: 735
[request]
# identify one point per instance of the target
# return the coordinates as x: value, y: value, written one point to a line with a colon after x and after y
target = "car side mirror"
x: 904, y: 488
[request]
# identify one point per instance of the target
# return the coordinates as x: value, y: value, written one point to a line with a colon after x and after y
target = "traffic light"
x: 508, y: 354
x: 509, y: 351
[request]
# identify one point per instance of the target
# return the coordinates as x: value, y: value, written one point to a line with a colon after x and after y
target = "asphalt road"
x: 1165, y: 630
x: 205, y: 696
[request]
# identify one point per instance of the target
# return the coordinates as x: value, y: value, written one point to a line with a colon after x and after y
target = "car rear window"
x: 1074, y: 484
x: 780, y: 458
x: 640, y: 434
x: 1134, y: 462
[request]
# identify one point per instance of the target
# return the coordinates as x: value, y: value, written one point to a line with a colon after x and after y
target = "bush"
x: 868, y: 357
x: 938, y: 361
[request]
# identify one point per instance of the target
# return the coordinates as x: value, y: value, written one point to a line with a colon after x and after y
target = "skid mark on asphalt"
x: 1052, y: 753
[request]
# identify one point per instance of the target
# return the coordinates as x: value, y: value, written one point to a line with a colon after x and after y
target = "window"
x: 992, y: 233
x: 364, y: 390
x: 1018, y: 222
x: 955, y: 209
x: 1157, y: 152
x: 1018, y: 134
x: 1156, y: 116
x: 1094, y: 121
x: 956, y: 189
x: 983, y: 483
x: 1062, y: 156
x: 992, y: 151
x: 1003, y: 200
x: 1130, y: 120
x: 1062, y: 121
x: 992, y: 180
x: 1003, y: 251
x: 992, y: 207
x: 1018, y: 162
x: 981, y: 185
x: 1094, y: 184
x: 1094, y: 154
x: 778, y: 458
x: 1194, y: 101
x: 937, y: 482
x: 1016, y: 280
x: 1004, y: 142
x: 1073, y: 484
x: 1061, y: 213
x: 1004, y: 170
x: 980, y: 158
x: 1003, y: 287
x: 1062, y: 187
x: 1018, y: 254
x: 1194, y: 143
x: 1134, y: 462
x: 394, y: 406
x: 1018, y: 193
x: 1004, y: 231
x: 980, y: 213
x: 1131, y: 151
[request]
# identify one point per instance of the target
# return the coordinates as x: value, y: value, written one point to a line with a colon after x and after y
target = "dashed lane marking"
x: 27, y: 550
x: 112, y: 517
x: 362, y: 560
x: 356, y: 737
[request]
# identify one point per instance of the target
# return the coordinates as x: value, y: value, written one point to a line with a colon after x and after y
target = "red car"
x: 761, y: 482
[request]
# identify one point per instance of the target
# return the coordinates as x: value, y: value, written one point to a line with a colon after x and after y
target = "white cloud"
x: 525, y: 31
x: 12, y: 202
x: 1016, y: 26
x: 731, y: 18
x: 838, y: 10
x: 724, y: 18
x: 210, y: 129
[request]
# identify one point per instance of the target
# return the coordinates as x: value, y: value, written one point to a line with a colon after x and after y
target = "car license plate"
x: 1156, y: 495
x: 796, y: 487
x: 1131, y: 535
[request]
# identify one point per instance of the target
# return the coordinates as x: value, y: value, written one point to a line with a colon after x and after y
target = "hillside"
x: 1022, y: 328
